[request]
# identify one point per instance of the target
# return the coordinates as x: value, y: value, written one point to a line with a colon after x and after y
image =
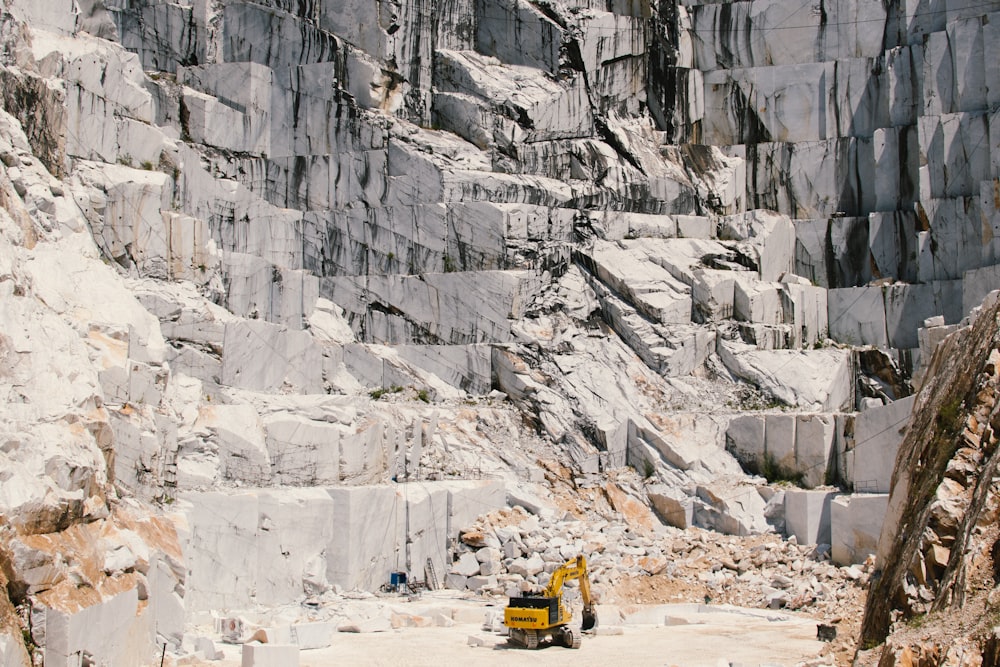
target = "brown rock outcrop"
x: 936, y: 548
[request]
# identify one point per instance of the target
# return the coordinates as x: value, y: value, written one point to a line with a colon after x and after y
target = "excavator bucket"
x: 589, y: 620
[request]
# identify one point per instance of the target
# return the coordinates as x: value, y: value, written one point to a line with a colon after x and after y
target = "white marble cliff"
x: 272, y: 271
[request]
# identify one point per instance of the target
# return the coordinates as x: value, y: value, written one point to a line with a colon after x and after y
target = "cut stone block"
x: 618, y: 224
x: 70, y: 634
x: 239, y: 435
x: 770, y: 236
x: 520, y: 34
x: 267, y: 357
x: 814, y: 448
x: 877, y: 434
x: 206, y: 646
x: 293, y: 525
x: 313, y: 635
x: 166, y: 604
x: 745, y: 437
x: 694, y: 226
x: 361, y: 457
x: 810, y: 311
x: 358, y: 557
x: 235, y: 108
x: 758, y: 302
x: 855, y: 525
x: 140, y: 452
x: 810, y: 250
x: 976, y: 284
x: 478, y: 582
x: 274, y: 634
x: 807, y: 515
x: 269, y: 655
x: 907, y: 306
x: 288, y: 529
x: 804, y: 444
x: 779, y: 440
x: 857, y: 316
x: 192, y: 252
x: 471, y: 499
x: 464, y: 366
x: 133, y: 226
x: 892, y: 239
x: 713, y: 292
x: 847, y: 261
x: 454, y: 308
x: 222, y: 568
x: 303, y: 451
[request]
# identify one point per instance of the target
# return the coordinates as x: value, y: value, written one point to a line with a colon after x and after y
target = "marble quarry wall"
x: 274, y: 263
x: 267, y: 546
x: 869, y: 124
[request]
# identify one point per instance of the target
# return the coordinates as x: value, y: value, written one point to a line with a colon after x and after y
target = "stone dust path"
x: 709, y: 636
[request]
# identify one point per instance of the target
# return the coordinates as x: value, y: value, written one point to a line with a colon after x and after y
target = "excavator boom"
x: 574, y: 569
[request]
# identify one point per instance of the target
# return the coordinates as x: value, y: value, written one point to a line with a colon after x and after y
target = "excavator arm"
x: 575, y: 569
x: 589, y: 616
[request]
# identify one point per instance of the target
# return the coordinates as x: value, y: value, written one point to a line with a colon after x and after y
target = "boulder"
x: 527, y: 567
x: 466, y: 565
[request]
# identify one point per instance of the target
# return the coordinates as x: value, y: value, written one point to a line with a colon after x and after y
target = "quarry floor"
x: 697, y: 635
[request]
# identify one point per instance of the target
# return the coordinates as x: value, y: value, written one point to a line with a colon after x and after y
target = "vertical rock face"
x: 850, y: 116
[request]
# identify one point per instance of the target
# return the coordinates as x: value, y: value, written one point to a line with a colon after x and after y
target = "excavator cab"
x: 532, y: 619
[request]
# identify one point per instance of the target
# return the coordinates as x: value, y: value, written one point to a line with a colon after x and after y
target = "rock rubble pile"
x: 509, y: 552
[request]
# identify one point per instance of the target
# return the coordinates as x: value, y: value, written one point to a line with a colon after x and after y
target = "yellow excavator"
x: 534, y: 618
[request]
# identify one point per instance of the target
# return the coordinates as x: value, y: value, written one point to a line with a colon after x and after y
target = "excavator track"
x: 570, y: 638
x: 524, y: 638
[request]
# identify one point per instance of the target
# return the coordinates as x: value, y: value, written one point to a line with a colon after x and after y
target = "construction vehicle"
x: 535, y: 618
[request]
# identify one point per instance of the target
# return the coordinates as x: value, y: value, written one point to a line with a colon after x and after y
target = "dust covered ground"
x: 651, y: 620
x: 719, y: 600
x: 698, y: 635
